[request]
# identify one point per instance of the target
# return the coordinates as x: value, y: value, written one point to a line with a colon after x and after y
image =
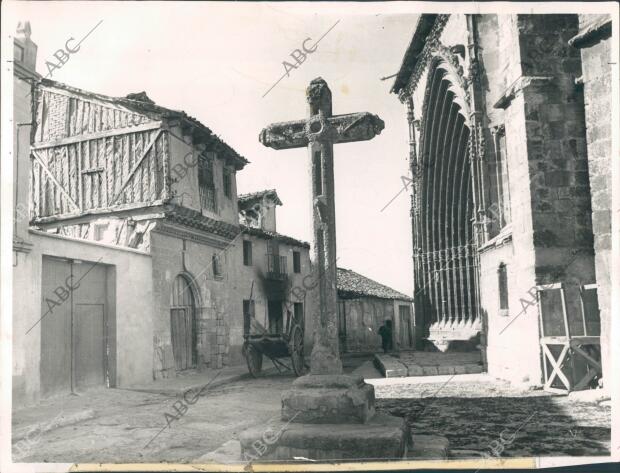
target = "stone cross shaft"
x: 319, y: 132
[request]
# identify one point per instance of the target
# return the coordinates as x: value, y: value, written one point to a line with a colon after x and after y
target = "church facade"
x: 507, y: 194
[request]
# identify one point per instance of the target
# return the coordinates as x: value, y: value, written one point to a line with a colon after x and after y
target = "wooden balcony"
x: 276, y: 267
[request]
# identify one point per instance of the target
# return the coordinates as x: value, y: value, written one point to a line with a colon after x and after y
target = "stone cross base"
x: 383, y: 437
x: 328, y: 417
x: 329, y: 399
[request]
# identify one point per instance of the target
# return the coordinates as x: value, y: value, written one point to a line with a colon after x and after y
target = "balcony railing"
x: 276, y: 266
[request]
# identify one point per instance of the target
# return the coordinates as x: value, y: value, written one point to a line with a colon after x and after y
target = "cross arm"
x: 285, y: 135
x: 361, y: 126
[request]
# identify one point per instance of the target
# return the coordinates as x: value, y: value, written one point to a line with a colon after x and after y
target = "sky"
x: 216, y: 61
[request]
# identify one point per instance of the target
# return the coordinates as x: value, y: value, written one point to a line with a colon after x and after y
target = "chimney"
x: 24, y: 49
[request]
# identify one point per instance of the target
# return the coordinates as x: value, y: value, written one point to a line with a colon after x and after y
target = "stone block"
x: 327, y: 399
x: 445, y: 370
x: 429, y: 447
x: 415, y: 370
x: 460, y: 369
x: 430, y: 370
x: 557, y: 178
x: 473, y: 369
x: 383, y: 437
x: 389, y: 366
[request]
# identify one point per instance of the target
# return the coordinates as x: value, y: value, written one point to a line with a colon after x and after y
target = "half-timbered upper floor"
x: 95, y: 154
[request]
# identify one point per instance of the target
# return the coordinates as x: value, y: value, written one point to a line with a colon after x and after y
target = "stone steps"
x: 428, y: 364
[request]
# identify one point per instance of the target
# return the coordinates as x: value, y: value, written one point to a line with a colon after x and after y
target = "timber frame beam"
x: 97, y: 135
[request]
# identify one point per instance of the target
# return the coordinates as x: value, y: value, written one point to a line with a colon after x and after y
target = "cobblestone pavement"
x: 470, y: 414
x: 476, y: 417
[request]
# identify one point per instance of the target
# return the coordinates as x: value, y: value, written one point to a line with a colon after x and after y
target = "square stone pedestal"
x: 383, y: 437
x: 328, y: 417
x: 329, y: 399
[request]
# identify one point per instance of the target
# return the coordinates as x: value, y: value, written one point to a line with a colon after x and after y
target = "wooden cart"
x: 276, y: 347
x: 258, y: 342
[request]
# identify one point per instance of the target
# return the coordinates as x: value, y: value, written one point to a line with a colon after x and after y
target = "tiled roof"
x: 252, y: 197
x: 259, y: 232
x: 194, y: 219
x: 351, y: 284
x: 140, y: 103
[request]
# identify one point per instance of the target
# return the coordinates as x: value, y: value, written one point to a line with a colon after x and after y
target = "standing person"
x: 385, y: 332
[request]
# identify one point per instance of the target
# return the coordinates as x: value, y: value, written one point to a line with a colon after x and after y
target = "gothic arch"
x: 446, y: 275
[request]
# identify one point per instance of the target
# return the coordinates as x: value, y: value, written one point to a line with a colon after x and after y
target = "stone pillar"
x: 325, y: 358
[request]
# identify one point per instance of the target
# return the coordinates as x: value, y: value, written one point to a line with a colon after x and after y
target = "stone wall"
x: 557, y: 158
x: 594, y: 42
x: 220, y: 299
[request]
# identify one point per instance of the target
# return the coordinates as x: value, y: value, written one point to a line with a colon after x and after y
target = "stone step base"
x: 422, y: 447
x: 383, y: 437
x: 392, y: 367
x: 429, y: 447
x: 389, y: 366
x: 440, y: 358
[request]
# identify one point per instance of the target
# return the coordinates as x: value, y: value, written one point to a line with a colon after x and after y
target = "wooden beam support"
x: 100, y: 134
x: 136, y: 166
x: 36, y: 156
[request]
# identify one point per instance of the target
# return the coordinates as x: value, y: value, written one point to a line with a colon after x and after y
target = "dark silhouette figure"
x: 385, y: 332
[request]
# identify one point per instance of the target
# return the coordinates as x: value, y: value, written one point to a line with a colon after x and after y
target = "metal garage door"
x: 73, y: 326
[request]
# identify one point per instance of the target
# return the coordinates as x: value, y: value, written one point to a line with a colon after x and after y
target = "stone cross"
x: 319, y: 132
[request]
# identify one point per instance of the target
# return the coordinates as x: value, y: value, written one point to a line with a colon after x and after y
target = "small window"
x: 205, y: 182
x: 247, y: 253
x: 296, y: 262
x: 502, y: 280
x: 216, y: 263
x: 227, y: 177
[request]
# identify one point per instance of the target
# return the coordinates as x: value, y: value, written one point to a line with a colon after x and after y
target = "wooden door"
x: 55, y: 328
x: 73, y: 331
x: 183, y: 324
x: 89, y: 356
x: 274, y: 312
x: 342, y: 326
x: 406, y: 336
x: 89, y: 325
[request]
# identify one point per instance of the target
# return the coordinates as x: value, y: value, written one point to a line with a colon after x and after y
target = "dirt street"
x: 473, y: 411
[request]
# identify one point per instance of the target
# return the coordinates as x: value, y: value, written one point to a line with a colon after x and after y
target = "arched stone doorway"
x: 183, y: 327
x: 445, y: 252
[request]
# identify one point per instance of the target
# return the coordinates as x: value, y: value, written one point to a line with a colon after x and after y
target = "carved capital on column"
x: 498, y: 130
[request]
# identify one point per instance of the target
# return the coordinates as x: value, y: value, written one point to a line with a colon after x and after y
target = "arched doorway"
x: 183, y: 323
x: 446, y: 263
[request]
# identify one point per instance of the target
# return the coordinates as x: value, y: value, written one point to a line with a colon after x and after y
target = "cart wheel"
x: 296, y: 349
x: 254, y: 360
